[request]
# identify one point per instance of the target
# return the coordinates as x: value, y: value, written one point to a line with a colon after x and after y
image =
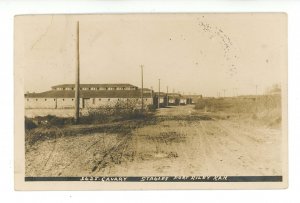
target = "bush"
x: 95, y: 115
x: 53, y: 120
x: 120, y: 111
x: 29, y: 124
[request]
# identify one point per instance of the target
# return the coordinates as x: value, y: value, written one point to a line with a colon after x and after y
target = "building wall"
x: 182, y: 101
x: 111, y: 102
x: 50, y: 103
x: 40, y: 103
x: 68, y: 103
x: 171, y: 101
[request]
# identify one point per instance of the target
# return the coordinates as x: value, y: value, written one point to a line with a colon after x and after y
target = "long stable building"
x: 91, y: 96
x: 101, y: 96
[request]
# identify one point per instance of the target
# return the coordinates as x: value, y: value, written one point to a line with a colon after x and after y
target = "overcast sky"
x: 190, y: 53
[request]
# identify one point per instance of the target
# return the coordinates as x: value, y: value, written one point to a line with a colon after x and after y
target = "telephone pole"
x: 167, y: 95
x: 158, y: 93
x: 256, y: 90
x: 142, y: 92
x: 77, y: 78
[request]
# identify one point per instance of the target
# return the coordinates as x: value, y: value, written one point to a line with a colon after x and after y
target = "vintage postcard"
x: 151, y: 101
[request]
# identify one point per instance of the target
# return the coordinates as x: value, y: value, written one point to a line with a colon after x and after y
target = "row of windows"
x: 93, y: 100
x: 47, y: 99
x: 98, y: 88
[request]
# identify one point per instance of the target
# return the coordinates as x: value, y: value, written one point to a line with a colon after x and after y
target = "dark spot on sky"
x: 170, y: 39
x: 267, y: 60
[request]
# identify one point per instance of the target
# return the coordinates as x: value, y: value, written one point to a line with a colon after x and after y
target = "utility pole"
x: 256, y: 90
x: 224, y: 91
x: 142, y: 92
x: 167, y: 95
x: 77, y: 78
x: 158, y: 93
x: 255, y: 98
x: 151, y: 92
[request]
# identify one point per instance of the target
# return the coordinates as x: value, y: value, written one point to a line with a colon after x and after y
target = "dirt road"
x: 183, y: 141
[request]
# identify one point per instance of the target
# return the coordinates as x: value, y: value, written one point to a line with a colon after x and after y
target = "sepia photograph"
x: 155, y: 101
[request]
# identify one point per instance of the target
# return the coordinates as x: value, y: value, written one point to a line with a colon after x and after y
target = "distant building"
x: 174, y: 99
x: 160, y: 97
x: 91, y: 96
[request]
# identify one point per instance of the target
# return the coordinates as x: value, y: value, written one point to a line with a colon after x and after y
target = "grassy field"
x: 264, y: 109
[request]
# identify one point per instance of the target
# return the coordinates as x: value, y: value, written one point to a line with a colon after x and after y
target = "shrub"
x: 29, y: 124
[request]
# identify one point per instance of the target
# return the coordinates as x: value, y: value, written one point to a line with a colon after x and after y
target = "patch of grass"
x: 188, y: 118
x: 49, y: 120
x: 123, y: 127
x: 167, y: 137
x: 240, y: 104
x: 120, y: 111
x: 264, y: 109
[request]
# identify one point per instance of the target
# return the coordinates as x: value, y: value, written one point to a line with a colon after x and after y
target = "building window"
x: 36, y: 100
x: 106, y: 88
x: 118, y: 99
x: 45, y: 99
x: 93, y: 100
x: 99, y: 99
x: 72, y: 99
x: 27, y: 99
x: 146, y: 99
x: 63, y: 99
x: 54, y: 99
x: 108, y: 99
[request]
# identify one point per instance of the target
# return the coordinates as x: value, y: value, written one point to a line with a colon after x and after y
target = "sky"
x: 208, y: 54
